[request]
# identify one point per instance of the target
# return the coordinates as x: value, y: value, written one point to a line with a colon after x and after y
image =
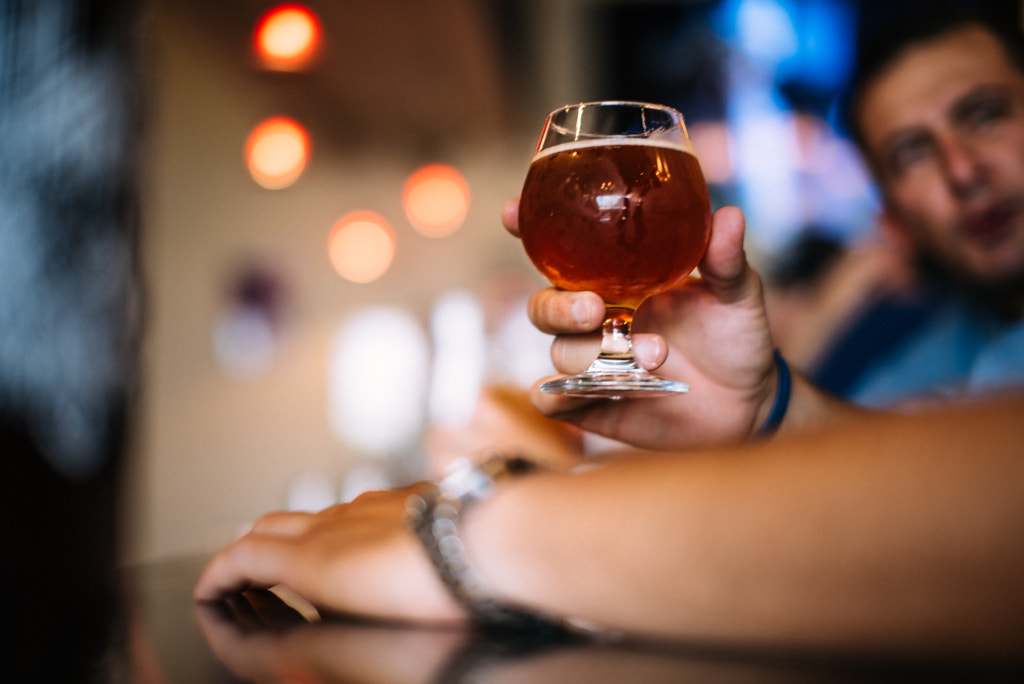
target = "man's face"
x: 944, y: 130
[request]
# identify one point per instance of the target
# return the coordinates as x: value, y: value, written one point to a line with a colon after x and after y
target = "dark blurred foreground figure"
x: 68, y: 328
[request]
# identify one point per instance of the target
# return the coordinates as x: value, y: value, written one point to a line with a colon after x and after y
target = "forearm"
x: 895, y: 533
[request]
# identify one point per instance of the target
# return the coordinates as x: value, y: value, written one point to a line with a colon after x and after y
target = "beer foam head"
x: 682, y: 144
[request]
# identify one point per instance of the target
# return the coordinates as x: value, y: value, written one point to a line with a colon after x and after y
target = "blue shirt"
x: 1000, y: 364
x: 955, y: 347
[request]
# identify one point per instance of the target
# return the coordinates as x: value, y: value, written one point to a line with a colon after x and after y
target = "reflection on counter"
x: 261, y: 638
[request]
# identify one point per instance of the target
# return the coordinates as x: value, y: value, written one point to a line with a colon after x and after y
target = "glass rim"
x: 618, y: 103
x: 671, y: 118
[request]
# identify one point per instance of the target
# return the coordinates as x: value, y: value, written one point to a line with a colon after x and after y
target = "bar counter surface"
x: 258, y: 637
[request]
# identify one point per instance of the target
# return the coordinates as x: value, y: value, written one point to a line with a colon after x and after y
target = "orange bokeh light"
x: 361, y: 246
x: 436, y: 200
x: 276, y: 152
x: 287, y: 37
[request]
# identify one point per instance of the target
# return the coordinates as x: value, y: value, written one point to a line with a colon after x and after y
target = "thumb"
x: 510, y: 216
x: 724, y: 266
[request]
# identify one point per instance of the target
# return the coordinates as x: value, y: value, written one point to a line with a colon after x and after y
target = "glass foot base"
x: 615, y: 386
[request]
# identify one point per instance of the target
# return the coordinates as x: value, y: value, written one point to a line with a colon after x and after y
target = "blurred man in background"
x: 939, y: 124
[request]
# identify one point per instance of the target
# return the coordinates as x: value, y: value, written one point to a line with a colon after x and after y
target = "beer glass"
x: 614, y: 202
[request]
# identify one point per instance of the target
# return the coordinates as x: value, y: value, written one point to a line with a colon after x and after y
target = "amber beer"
x: 625, y: 219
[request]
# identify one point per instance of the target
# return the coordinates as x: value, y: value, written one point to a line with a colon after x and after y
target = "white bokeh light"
x: 377, y: 381
x: 457, y: 332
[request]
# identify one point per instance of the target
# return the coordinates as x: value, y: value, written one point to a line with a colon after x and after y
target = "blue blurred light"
x: 810, y: 42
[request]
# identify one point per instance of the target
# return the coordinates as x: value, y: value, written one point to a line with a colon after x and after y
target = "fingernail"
x: 581, y: 311
x: 646, y: 350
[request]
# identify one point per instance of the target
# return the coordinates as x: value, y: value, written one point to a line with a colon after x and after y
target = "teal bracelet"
x: 778, y: 412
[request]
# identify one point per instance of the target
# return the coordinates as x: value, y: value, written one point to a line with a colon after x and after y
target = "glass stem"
x: 616, y: 345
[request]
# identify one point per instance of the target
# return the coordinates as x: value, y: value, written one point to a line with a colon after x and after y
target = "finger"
x: 724, y: 265
x: 510, y: 216
x: 650, y: 350
x: 574, y: 353
x: 554, y: 311
x: 287, y: 523
x: 271, y: 610
x: 242, y: 612
x: 255, y: 560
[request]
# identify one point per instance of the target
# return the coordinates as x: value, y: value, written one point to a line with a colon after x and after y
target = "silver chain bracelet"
x: 435, y: 516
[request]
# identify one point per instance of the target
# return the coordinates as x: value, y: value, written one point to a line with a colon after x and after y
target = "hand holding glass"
x: 615, y: 203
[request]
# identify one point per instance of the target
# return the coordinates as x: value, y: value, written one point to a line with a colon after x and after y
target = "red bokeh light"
x: 436, y: 200
x: 287, y: 37
x: 276, y: 152
x: 361, y: 246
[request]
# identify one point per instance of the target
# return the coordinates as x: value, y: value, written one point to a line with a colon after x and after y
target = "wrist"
x: 779, y: 405
x: 437, y: 517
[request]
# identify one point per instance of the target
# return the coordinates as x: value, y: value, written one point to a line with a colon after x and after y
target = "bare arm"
x: 893, y: 533
x: 901, y: 534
